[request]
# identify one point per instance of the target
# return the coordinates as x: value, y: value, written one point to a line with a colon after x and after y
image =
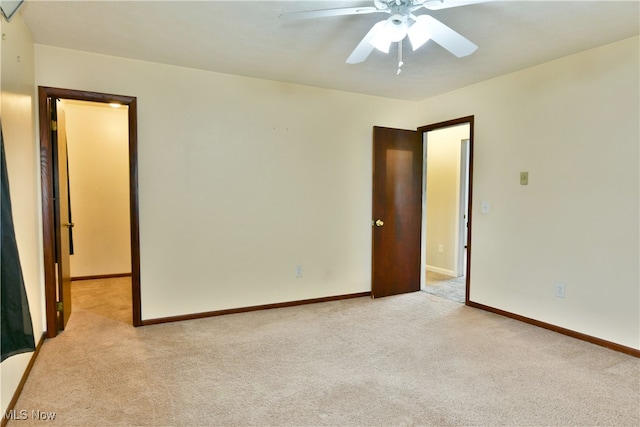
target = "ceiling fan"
x: 402, y: 23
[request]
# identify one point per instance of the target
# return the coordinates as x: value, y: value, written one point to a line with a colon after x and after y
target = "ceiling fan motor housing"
x: 401, y: 7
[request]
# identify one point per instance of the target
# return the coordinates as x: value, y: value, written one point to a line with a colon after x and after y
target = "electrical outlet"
x: 524, y: 178
x: 298, y: 271
x: 440, y: 249
x: 560, y: 290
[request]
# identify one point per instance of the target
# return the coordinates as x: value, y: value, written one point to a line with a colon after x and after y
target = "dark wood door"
x: 397, y: 211
x: 62, y: 217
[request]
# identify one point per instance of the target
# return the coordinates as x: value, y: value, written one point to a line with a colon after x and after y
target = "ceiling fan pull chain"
x: 400, y: 62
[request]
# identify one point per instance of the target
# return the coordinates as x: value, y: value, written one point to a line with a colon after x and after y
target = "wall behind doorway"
x: 443, y: 197
x: 98, y: 145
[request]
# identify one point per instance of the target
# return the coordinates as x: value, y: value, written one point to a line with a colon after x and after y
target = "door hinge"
x: 54, y: 126
x: 59, y: 306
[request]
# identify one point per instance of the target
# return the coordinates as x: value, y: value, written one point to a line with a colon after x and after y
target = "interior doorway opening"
x: 446, y: 238
x: 56, y: 226
x: 98, y: 181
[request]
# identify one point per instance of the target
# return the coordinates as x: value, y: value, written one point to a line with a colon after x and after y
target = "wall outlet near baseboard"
x: 298, y: 271
x: 560, y: 290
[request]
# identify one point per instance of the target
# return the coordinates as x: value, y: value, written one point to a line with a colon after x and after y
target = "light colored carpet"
x: 413, y: 359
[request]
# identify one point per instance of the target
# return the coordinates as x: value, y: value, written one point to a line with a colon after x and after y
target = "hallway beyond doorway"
x: 109, y: 298
x: 451, y: 288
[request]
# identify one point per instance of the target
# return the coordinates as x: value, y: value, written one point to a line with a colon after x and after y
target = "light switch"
x: 485, y: 207
x: 524, y: 178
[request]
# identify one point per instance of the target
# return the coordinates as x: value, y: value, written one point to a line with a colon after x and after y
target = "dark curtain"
x: 16, y: 327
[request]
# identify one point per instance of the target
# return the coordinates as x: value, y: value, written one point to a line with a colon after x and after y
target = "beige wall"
x: 241, y: 180
x: 98, y: 152
x: 573, y: 124
x: 17, y: 109
x: 443, y: 197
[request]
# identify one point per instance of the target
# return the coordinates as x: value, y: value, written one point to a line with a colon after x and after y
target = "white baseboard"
x: 439, y: 270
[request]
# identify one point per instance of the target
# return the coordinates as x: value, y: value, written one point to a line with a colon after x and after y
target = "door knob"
x: 69, y: 225
x: 379, y: 223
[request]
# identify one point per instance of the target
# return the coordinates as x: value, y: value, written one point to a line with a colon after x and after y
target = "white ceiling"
x: 247, y: 38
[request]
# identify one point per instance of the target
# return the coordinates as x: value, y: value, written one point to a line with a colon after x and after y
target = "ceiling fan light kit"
x: 402, y: 23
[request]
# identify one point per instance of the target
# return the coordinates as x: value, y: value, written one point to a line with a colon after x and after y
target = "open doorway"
x: 58, y: 156
x: 446, y: 207
x: 98, y: 177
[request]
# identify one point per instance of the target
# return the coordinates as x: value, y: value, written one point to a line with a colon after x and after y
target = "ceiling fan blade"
x: 446, y: 37
x: 446, y: 4
x: 364, y: 48
x: 324, y: 13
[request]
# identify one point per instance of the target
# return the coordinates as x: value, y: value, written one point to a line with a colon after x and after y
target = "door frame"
x: 463, y: 211
x: 440, y: 125
x: 47, y: 167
